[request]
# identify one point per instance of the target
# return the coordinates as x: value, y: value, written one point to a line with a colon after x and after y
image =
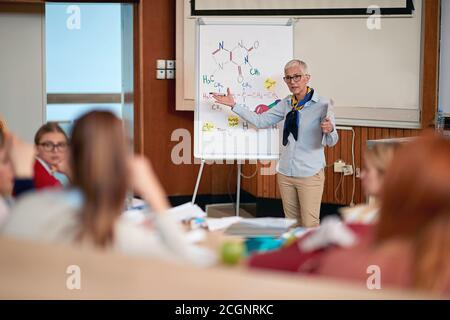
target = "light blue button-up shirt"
x: 304, y: 157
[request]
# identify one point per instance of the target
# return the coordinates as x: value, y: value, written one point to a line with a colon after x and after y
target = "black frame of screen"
x: 407, y: 10
x: 92, y: 1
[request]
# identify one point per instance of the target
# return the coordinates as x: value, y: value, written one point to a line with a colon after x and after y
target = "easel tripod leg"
x: 238, y: 191
x: 197, y: 184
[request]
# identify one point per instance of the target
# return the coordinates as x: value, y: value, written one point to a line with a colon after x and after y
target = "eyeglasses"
x: 295, y: 77
x: 50, y: 146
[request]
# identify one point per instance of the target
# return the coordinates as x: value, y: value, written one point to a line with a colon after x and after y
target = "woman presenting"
x: 309, y: 126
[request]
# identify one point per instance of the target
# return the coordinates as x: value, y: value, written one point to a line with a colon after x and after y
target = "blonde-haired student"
x: 376, y: 161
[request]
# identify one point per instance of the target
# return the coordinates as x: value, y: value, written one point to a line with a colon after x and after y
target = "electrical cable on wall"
x: 341, y: 180
x: 352, y: 202
x: 340, y: 184
x: 242, y: 175
x: 252, y: 175
x: 230, y: 171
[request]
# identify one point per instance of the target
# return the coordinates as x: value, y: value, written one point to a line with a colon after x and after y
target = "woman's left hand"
x: 63, y: 167
x: 327, y: 126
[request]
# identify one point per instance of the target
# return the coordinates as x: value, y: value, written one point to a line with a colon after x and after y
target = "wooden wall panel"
x: 157, y: 107
x: 23, y: 1
x: 430, y: 61
x: 358, y: 161
x: 266, y: 186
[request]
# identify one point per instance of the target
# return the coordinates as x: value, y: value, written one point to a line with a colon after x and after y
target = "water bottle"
x: 440, y: 121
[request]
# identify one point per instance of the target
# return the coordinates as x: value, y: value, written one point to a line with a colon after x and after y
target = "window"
x: 89, y: 60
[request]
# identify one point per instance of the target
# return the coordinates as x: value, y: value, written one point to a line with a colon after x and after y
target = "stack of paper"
x: 260, y: 227
x: 139, y: 211
x: 187, y: 211
x: 215, y: 224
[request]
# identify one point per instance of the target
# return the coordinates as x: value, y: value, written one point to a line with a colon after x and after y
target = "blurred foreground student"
x: 89, y: 212
x: 410, y: 244
x: 6, y: 178
x: 376, y: 162
x: 16, y: 170
x: 50, y: 168
x: 3, y: 126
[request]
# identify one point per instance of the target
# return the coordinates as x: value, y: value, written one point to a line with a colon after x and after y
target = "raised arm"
x: 22, y: 159
x: 170, y: 239
x: 264, y: 120
x: 145, y: 183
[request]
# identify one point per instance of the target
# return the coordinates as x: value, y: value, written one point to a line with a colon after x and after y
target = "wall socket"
x: 160, y: 74
x: 170, y: 64
x: 347, y: 170
x: 339, y: 166
x: 165, y: 69
x: 170, y: 74
x: 160, y: 64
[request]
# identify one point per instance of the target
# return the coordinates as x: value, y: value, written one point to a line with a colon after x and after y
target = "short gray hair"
x: 296, y: 62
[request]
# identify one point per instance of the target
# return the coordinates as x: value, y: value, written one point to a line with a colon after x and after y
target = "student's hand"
x: 145, y: 183
x: 64, y: 167
x: 327, y: 126
x: 22, y: 157
x: 227, y: 100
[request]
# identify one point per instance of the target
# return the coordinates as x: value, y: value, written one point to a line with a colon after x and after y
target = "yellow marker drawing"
x: 269, y: 83
x: 233, y: 121
x: 208, y: 126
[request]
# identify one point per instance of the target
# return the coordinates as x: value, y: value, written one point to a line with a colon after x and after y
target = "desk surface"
x: 38, y: 271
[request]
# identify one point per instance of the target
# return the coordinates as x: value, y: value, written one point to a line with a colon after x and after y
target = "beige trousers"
x: 302, y: 197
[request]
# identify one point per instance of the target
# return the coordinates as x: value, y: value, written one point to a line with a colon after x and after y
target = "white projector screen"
x: 373, y: 76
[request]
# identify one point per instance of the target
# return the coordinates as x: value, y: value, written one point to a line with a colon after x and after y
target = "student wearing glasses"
x: 50, y: 167
x: 309, y: 126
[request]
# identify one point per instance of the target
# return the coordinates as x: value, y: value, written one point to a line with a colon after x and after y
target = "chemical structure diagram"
x: 237, y: 57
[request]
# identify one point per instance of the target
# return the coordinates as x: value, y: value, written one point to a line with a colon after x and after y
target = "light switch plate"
x: 170, y: 74
x: 170, y: 64
x: 160, y: 64
x: 160, y: 74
